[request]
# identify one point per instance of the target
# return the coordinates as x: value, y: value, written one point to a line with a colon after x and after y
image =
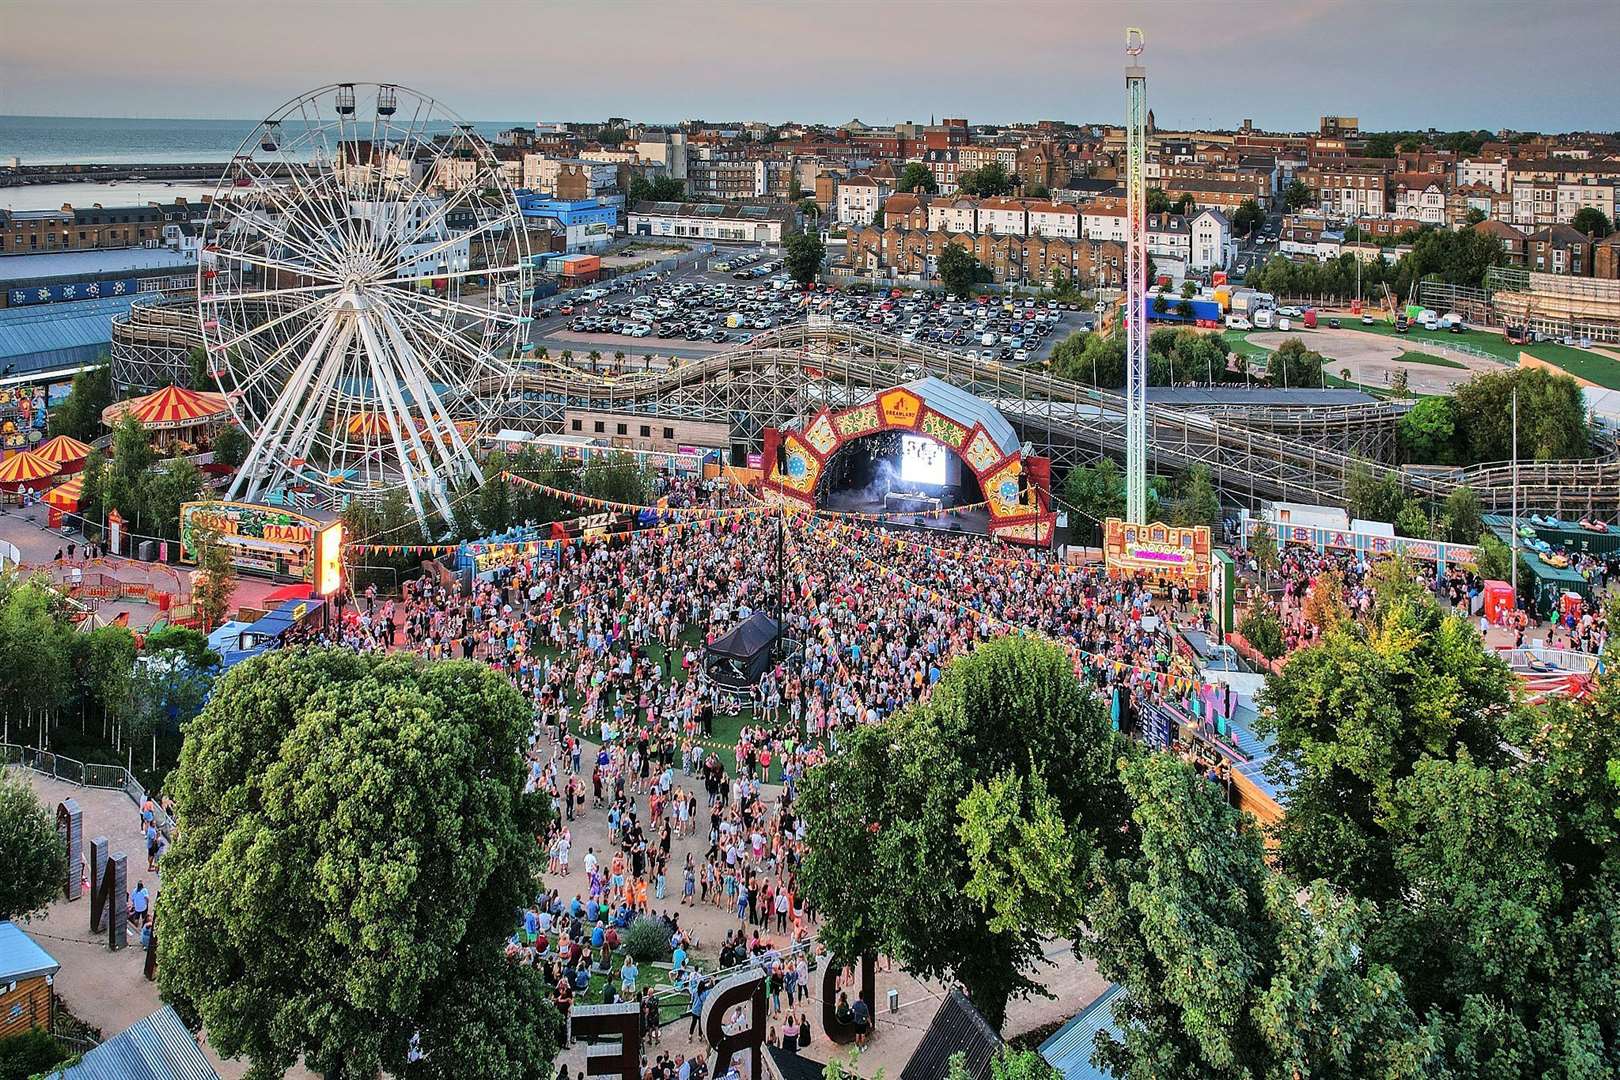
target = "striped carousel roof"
x: 170, y: 407
x: 66, y: 496
x: 25, y: 469
x: 63, y: 450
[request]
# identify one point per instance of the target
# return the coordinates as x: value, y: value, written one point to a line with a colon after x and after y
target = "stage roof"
x: 965, y: 409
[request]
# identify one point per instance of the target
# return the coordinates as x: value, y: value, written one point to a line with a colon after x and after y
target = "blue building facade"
x: 585, y: 224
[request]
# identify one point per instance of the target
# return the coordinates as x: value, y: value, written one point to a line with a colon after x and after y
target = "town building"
x: 26, y: 975
x: 1211, y: 240
x: 1559, y: 249
x: 858, y: 199
x: 753, y: 222
x: 569, y: 178
x: 959, y: 215
x: 97, y: 227
x: 1421, y: 196
x: 573, y: 224
x: 1511, y: 239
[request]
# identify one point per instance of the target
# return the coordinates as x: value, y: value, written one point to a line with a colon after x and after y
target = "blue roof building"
x: 156, y: 1048
x: 49, y: 342
x: 1069, y: 1049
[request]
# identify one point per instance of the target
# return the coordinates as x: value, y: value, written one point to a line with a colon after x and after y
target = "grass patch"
x: 1414, y: 357
x: 1238, y: 341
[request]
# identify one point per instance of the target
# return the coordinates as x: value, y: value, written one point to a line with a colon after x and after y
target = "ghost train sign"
x: 612, y: 1033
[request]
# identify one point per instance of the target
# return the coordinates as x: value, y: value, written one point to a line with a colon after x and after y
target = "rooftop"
x: 21, y: 957
x: 156, y: 1048
x: 24, y: 268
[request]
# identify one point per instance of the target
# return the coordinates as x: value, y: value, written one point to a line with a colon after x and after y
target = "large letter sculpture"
x: 837, y: 1030
x: 592, y: 1022
x: 109, y: 893
x: 746, y: 988
x: 70, y: 829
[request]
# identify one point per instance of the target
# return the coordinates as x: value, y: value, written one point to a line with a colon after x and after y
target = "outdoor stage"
x: 974, y: 520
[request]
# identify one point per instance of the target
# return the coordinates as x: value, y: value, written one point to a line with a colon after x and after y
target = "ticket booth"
x: 1498, y: 601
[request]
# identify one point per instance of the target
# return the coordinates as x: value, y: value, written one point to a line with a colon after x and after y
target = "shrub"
x: 647, y: 939
x: 1261, y: 629
x: 34, y: 1051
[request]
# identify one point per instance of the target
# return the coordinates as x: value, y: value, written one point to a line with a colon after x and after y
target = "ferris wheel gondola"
x: 359, y: 251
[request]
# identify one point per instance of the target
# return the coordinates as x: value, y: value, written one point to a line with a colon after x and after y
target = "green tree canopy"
x: 960, y: 271
x: 1009, y: 741
x: 918, y: 177
x: 1296, y: 195
x: 79, y: 416
x: 1590, y: 221
x: 1353, y: 714
x: 1247, y: 217
x: 31, y: 870
x: 1292, y: 364
x: 1428, y: 431
x: 1552, y: 416
x: 804, y: 254
x: 656, y: 189
x: 354, y: 839
x: 1226, y: 971
x: 987, y: 181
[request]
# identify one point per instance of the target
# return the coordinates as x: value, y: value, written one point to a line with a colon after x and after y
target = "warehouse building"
x: 750, y: 222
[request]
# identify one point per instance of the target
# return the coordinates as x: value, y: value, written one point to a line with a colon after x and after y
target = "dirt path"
x: 1371, y: 358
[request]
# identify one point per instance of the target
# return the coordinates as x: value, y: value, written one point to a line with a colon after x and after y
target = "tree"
x: 1248, y: 217
x: 1352, y: 714
x: 1263, y: 546
x: 1474, y: 216
x: 960, y: 270
x: 162, y: 492
x: 1261, y: 628
x: 1373, y: 496
x: 804, y: 254
x: 1291, y: 364
x: 1427, y: 432
x: 918, y: 177
x: 1295, y: 195
x: 231, y: 446
x: 1464, y: 515
x: 1493, y: 559
x: 1009, y: 737
x: 354, y: 839
x: 1007, y: 1064
x: 986, y: 181
x: 1096, y: 492
x: 79, y: 415
x: 657, y: 189
x: 1157, y: 201
x: 795, y: 190
x: 1037, y: 191
x: 1590, y: 221
x: 1413, y: 520
x: 31, y: 861
x: 1227, y: 972
x: 1198, y: 504
x: 1552, y: 416
x: 215, y: 580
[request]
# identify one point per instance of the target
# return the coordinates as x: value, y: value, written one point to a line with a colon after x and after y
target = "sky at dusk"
x: 1541, y: 64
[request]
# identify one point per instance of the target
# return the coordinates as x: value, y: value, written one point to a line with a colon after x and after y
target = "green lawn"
x: 1590, y: 366
x: 1414, y: 357
x: 1238, y: 341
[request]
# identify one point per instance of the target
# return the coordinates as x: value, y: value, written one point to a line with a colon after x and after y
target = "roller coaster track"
x: 782, y: 378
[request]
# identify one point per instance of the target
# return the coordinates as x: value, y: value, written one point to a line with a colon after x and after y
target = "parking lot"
x: 699, y: 311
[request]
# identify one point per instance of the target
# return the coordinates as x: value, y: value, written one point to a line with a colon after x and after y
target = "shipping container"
x: 580, y: 265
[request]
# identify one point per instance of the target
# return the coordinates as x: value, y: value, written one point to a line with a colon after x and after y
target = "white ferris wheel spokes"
x: 364, y: 276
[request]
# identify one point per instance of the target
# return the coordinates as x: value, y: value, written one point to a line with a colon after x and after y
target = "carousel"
x: 177, y: 419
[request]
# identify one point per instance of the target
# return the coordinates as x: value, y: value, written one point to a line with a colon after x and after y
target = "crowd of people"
x: 605, y: 640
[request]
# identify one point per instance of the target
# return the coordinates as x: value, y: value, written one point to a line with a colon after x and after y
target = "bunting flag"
x: 577, y: 499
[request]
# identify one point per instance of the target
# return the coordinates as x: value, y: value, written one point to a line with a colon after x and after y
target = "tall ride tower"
x: 1136, y: 331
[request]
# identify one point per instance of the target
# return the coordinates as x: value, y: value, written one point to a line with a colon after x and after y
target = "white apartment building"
x: 1054, y: 220
x: 954, y: 215
x: 1490, y: 172
x: 1103, y: 222
x: 858, y: 199
x: 1421, y: 202
x: 1003, y: 217
x: 1211, y: 240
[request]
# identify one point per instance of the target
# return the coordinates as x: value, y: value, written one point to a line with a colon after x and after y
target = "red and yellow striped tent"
x: 25, y: 469
x: 169, y: 408
x: 65, y: 452
x: 65, y: 497
x: 368, y: 425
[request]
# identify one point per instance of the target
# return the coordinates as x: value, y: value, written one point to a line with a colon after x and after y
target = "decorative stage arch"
x: 970, y: 427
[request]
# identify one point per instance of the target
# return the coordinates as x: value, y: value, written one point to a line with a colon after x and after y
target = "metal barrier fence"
x: 83, y: 774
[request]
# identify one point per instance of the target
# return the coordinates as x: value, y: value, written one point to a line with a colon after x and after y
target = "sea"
x: 58, y: 140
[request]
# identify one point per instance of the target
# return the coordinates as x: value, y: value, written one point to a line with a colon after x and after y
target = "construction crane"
x: 1136, y: 331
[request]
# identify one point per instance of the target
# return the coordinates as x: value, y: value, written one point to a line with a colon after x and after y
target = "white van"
x: 988, y: 340
x: 1263, y: 319
x: 1238, y: 322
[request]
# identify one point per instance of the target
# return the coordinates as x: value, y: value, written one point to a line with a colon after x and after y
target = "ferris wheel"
x: 363, y: 282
